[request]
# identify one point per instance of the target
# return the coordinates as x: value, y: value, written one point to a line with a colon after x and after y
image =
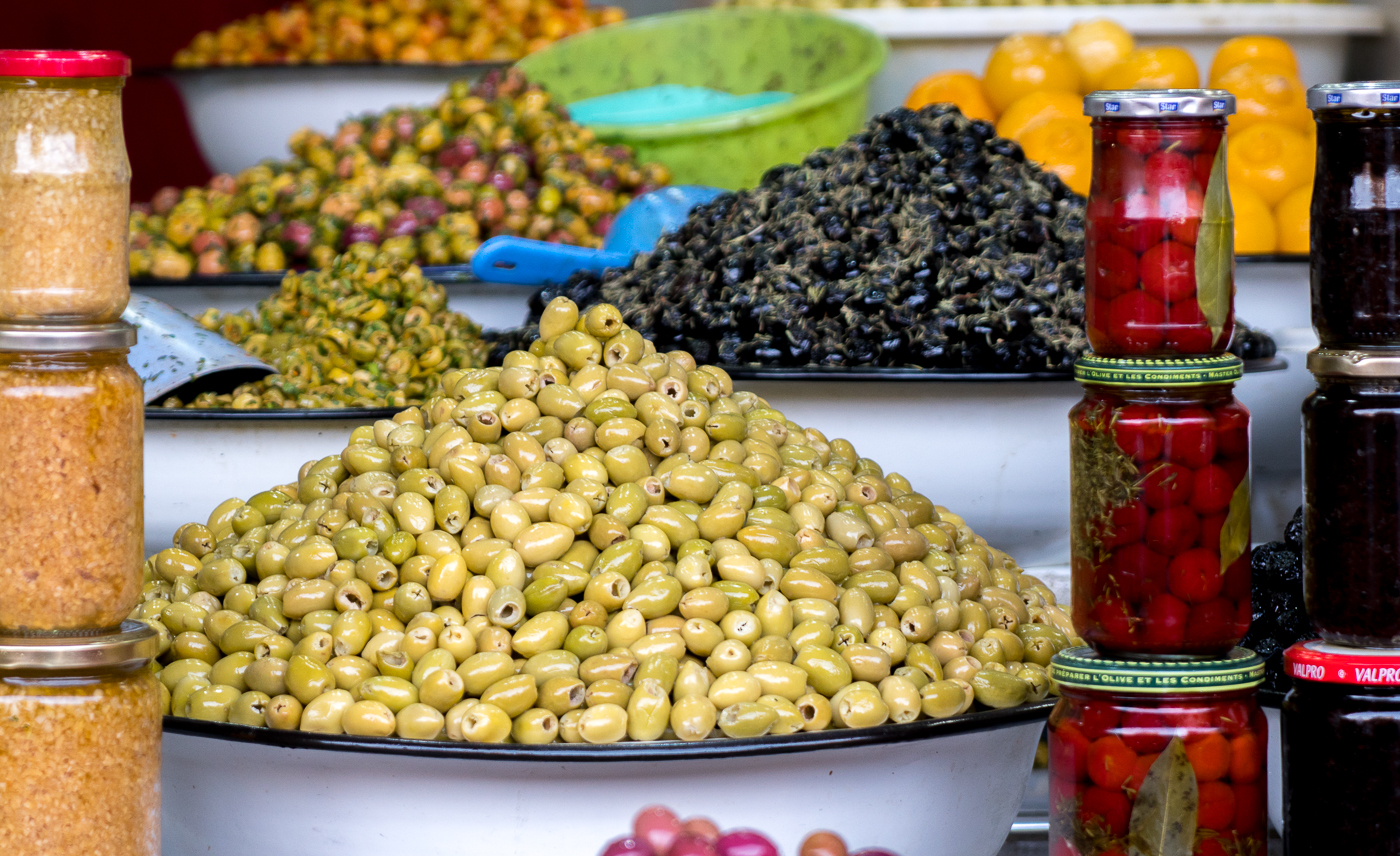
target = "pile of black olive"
x: 1277, y: 602
x: 925, y: 240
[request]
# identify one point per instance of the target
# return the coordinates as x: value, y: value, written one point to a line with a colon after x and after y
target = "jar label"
x: 1324, y: 662
x: 1215, y: 249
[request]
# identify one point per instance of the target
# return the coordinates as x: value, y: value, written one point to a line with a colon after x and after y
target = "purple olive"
x: 443, y: 176
x: 501, y: 181
x: 272, y: 219
x: 457, y: 153
x: 604, y: 223
x: 426, y: 208
x: 745, y: 842
x: 403, y: 223
x: 691, y: 845
x: 360, y: 232
x: 297, y: 235
x: 608, y: 182
x: 628, y: 847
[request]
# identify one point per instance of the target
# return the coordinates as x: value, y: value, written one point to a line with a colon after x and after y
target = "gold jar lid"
x: 1345, y: 363
x: 133, y: 643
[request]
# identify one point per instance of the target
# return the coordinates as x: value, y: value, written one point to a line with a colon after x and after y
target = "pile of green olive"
x: 593, y: 542
x: 353, y: 334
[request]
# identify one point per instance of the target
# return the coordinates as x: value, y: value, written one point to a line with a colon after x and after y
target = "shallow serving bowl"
x: 931, y: 788
x: 243, y: 114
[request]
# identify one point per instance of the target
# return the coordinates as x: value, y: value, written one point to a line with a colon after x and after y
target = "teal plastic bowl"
x: 825, y: 62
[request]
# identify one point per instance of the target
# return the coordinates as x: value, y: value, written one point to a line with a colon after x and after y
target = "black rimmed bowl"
x: 930, y: 788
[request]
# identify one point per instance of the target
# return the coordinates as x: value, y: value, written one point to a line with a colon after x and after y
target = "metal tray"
x: 441, y: 274
x: 296, y: 413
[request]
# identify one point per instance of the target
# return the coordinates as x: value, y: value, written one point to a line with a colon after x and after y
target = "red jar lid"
x: 1324, y: 662
x: 64, y: 64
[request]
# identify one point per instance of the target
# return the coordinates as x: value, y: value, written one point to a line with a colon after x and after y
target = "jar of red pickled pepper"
x: 1159, y: 260
x: 1159, y: 507
x: 1169, y: 755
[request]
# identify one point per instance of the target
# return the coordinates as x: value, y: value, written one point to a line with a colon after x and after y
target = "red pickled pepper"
x: 1223, y: 741
x: 1148, y: 573
x: 1148, y: 197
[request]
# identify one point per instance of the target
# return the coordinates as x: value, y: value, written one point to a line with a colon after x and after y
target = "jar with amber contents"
x: 80, y: 726
x: 1159, y: 507
x: 71, y: 507
x: 64, y: 186
x: 1166, y: 755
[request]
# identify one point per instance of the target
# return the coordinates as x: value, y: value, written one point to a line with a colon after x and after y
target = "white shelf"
x: 1158, y: 19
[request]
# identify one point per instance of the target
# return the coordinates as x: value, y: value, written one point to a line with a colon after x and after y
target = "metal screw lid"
x: 1144, y: 372
x: 1083, y: 668
x: 132, y: 643
x: 1383, y: 94
x: 66, y: 338
x: 1159, y: 103
x: 1335, y: 362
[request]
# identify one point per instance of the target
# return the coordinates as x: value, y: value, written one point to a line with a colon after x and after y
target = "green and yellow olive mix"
x: 497, y: 157
x: 924, y: 240
x: 594, y: 542
x: 355, y: 334
x: 403, y: 31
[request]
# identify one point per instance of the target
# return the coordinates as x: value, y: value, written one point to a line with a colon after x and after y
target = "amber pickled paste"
x: 64, y: 194
x: 80, y: 765
x: 71, y: 507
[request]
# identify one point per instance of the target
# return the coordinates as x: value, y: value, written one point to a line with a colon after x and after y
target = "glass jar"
x: 71, y: 508
x: 1133, y: 745
x: 80, y: 725
x: 1351, y: 498
x: 64, y: 186
x: 1341, y: 751
x: 1356, y: 214
x: 1159, y: 507
x: 1159, y: 261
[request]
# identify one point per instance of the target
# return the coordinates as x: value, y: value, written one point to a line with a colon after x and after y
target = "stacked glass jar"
x: 1157, y: 742
x: 79, y: 706
x: 1341, y: 775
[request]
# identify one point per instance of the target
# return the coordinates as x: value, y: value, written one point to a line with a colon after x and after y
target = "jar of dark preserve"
x: 1159, y: 262
x: 1159, y: 507
x: 1356, y: 214
x: 1341, y: 751
x: 1166, y: 752
x: 1351, y: 497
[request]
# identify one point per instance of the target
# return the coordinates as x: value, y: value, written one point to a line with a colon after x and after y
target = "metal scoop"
x: 174, y: 355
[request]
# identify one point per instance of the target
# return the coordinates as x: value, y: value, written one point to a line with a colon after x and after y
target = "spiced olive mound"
x: 1280, y: 619
x: 354, y: 334
x: 497, y: 157
x: 597, y: 541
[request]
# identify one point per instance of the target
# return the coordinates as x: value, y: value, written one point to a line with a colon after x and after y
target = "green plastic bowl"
x: 825, y: 62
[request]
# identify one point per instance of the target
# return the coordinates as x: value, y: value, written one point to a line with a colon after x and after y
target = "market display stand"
x: 925, y: 41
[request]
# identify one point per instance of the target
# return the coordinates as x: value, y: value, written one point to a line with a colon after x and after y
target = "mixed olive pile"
x: 497, y: 157
x: 406, y: 31
x: 1280, y: 618
x: 596, y: 541
x: 923, y: 240
x: 360, y: 333
x: 657, y: 831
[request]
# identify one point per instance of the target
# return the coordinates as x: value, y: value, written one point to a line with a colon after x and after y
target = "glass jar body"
x: 1355, y: 216
x: 1351, y: 522
x: 84, y: 762
x: 1159, y: 520
x: 1159, y: 240
x: 72, y: 503
x: 64, y: 195
x: 1341, y: 769
x: 1103, y: 744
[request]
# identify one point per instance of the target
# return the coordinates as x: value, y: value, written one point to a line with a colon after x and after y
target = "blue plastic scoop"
x: 667, y: 102
x: 521, y: 261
